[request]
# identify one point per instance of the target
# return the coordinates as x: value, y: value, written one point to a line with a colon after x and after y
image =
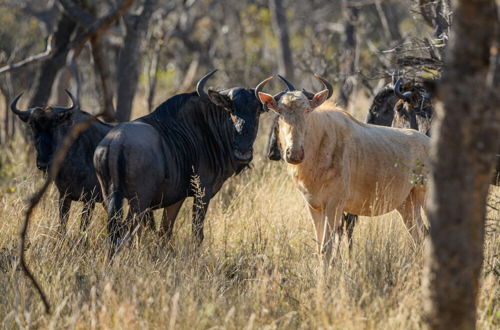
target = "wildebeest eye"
x: 238, y: 123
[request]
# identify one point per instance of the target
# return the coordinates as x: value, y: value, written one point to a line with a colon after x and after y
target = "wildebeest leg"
x: 410, y: 211
x: 319, y: 222
x: 149, y: 220
x: 88, y: 208
x: 136, y: 219
x: 350, y: 221
x: 273, y: 151
x: 333, y: 231
x: 168, y: 220
x: 64, y: 207
x: 114, y: 208
x: 200, y: 207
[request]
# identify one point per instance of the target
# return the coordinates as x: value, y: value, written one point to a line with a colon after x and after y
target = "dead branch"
x: 97, y: 27
x: 36, y: 197
x: 30, y: 60
x: 101, y: 24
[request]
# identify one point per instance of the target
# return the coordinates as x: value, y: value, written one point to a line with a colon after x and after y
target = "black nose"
x: 296, y: 157
x: 274, y: 155
x: 243, y: 156
x: 42, y: 165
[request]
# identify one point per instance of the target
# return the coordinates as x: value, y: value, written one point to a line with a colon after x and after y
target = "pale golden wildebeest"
x: 340, y: 164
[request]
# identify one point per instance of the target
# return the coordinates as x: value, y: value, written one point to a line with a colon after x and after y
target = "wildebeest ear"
x: 269, y: 101
x: 319, y: 98
x: 220, y: 100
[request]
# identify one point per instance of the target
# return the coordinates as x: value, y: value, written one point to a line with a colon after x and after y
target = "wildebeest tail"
x: 116, y: 177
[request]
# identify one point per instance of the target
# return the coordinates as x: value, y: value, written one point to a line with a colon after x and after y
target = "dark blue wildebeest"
x: 76, y: 180
x: 152, y: 161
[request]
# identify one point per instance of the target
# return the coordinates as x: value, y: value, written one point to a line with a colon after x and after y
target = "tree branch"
x: 37, y: 196
x: 30, y: 60
x: 97, y: 27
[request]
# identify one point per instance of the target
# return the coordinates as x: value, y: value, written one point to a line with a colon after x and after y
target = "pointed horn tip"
x: 263, y: 82
x: 201, y: 83
x: 261, y: 85
x: 268, y: 79
x: 325, y: 83
x: 13, y: 104
x: 288, y: 84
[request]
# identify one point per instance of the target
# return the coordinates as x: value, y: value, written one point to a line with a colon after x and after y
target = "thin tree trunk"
x: 466, y: 138
x: 129, y: 63
x: 63, y: 82
x: 104, y: 75
x: 349, y: 56
x: 50, y: 67
x: 153, y: 74
x: 280, y: 27
x: 387, y: 12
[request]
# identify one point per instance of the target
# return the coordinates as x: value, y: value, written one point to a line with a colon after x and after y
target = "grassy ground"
x: 257, y: 268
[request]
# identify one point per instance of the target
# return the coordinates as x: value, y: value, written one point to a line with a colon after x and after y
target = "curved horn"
x: 74, y: 104
x: 397, y: 90
x: 201, y: 84
x: 394, y: 76
x: 13, y: 107
x: 288, y: 84
x: 326, y: 84
x: 261, y: 86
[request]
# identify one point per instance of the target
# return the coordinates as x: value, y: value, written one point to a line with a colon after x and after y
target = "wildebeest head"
x: 381, y: 111
x: 244, y: 109
x: 48, y: 125
x: 413, y: 109
x: 293, y: 107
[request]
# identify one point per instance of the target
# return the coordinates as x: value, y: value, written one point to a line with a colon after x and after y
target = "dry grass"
x: 257, y: 267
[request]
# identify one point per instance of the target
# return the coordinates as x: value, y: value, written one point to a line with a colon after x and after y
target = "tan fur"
x: 349, y: 166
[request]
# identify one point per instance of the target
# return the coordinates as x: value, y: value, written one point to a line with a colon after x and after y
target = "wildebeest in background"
x: 76, y: 180
x: 414, y: 108
x: 333, y: 158
x: 153, y: 160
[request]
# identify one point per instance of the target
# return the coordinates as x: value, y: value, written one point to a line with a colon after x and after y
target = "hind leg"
x: 64, y: 207
x: 149, y: 220
x: 350, y: 221
x: 411, y: 213
x: 138, y: 213
x: 88, y: 208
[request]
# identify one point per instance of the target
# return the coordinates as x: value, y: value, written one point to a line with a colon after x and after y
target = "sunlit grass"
x: 257, y: 267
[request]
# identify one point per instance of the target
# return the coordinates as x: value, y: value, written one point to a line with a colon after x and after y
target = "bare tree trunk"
x: 129, y: 63
x: 63, y: 82
x: 104, y: 76
x: 390, y: 20
x: 467, y: 135
x: 190, y: 75
x: 350, y: 53
x: 153, y: 74
x: 280, y: 27
x: 51, y: 66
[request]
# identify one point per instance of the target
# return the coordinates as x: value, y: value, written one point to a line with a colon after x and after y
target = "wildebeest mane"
x: 192, y: 126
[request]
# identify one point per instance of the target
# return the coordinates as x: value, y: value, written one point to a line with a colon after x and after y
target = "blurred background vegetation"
x: 125, y: 57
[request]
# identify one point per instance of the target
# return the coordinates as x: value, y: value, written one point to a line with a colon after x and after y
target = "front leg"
x: 64, y: 207
x: 167, y: 222
x: 200, y: 207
